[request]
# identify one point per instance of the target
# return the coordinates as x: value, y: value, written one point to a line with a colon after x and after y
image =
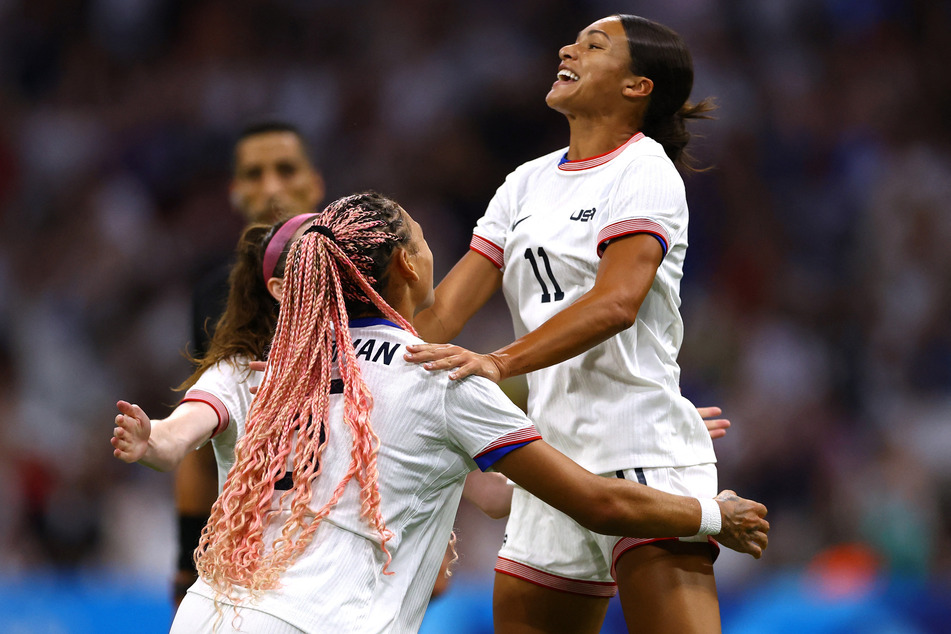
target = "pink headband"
x: 276, y: 246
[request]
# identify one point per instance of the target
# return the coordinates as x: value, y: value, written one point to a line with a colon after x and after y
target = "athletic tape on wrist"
x: 709, y: 517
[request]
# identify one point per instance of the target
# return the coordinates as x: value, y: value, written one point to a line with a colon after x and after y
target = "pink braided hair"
x: 324, y: 277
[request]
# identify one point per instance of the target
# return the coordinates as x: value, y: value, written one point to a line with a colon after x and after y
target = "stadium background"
x: 816, y: 296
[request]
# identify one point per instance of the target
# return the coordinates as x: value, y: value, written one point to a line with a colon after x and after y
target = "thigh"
x: 520, y: 607
x: 668, y: 586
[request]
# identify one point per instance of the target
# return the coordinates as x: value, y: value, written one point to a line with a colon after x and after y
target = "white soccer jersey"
x: 618, y: 405
x: 432, y: 432
x: 226, y: 387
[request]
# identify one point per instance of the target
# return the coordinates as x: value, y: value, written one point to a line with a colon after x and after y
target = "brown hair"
x: 246, y: 327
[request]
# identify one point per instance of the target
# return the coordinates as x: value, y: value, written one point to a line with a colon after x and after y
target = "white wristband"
x: 709, y: 517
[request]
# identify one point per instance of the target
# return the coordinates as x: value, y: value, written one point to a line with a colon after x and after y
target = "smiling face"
x: 595, y: 72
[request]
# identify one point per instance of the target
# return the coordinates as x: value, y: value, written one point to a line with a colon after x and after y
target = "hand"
x: 717, y: 427
x: 460, y: 362
x: 131, y: 435
x: 743, y: 528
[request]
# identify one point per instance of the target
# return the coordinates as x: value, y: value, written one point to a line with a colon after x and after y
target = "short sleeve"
x: 483, y: 423
x: 226, y: 388
x: 488, y: 237
x: 649, y: 198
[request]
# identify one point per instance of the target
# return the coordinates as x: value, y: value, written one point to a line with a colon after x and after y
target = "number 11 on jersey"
x: 546, y: 296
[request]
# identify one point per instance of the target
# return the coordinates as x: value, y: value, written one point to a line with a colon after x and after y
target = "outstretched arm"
x: 625, y: 275
x: 615, y: 506
x: 161, y: 444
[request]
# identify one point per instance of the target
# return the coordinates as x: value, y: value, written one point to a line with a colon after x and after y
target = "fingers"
x: 463, y: 371
x: 258, y: 366
x: 436, y: 357
x: 122, y: 444
x: 709, y: 412
x: 131, y: 410
x: 758, y: 545
x: 428, y: 353
x: 717, y: 427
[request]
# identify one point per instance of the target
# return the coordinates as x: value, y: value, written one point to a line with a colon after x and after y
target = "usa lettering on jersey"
x: 583, y: 215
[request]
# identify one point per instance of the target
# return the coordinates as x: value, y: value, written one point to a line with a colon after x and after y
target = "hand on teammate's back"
x: 743, y: 527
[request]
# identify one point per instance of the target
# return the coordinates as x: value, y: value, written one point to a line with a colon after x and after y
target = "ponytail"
x: 326, y: 270
x: 671, y: 132
x: 659, y: 53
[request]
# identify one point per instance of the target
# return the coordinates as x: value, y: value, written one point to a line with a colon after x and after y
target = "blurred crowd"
x: 816, y: 297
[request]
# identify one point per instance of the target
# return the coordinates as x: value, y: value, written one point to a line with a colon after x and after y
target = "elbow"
x: 619, y: 315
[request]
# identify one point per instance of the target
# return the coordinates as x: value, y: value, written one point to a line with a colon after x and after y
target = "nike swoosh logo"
x: 520, y: 220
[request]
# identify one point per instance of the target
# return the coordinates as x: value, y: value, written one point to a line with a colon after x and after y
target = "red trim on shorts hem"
x: 629, y: 543
x: 543, y: 579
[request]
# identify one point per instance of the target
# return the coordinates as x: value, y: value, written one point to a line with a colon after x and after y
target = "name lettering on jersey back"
x: 584, y: 215
x: 372, y: 350
x: 376, y: 351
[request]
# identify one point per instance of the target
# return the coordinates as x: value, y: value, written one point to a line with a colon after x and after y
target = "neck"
x: 406, y: 309
x: 401, y: 303
x: 593, y: 138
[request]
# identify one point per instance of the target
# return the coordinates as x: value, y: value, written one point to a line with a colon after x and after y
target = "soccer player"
x: 588, y: 244
x: 218, y: 395
x: 273, y: 178
x: 353, y: 459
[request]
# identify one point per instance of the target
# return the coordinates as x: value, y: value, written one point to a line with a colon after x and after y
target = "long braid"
x: 325, y: 281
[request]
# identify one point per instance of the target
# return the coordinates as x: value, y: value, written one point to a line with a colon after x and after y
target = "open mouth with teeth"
x: 566, y: 75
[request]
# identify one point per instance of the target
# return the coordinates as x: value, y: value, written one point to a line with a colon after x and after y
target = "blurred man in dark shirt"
x: 273, y: 178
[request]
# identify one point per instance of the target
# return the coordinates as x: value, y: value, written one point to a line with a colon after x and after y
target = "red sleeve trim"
x: 215, y: 403
x: 632, y: 226
x: 523, y: 435
x: 488, y: 249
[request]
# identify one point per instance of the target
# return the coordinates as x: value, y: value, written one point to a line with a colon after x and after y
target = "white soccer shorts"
x: 546, y: 547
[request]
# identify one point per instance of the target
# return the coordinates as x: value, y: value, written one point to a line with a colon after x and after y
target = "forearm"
x: 611, y: 506
x: 593, y: 319
x: 633, y: 509
x: 190, y: 425
x: 166, y: 449
x: 625, y: 276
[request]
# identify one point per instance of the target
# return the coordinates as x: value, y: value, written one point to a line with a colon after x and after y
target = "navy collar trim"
x: 364, y: 322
